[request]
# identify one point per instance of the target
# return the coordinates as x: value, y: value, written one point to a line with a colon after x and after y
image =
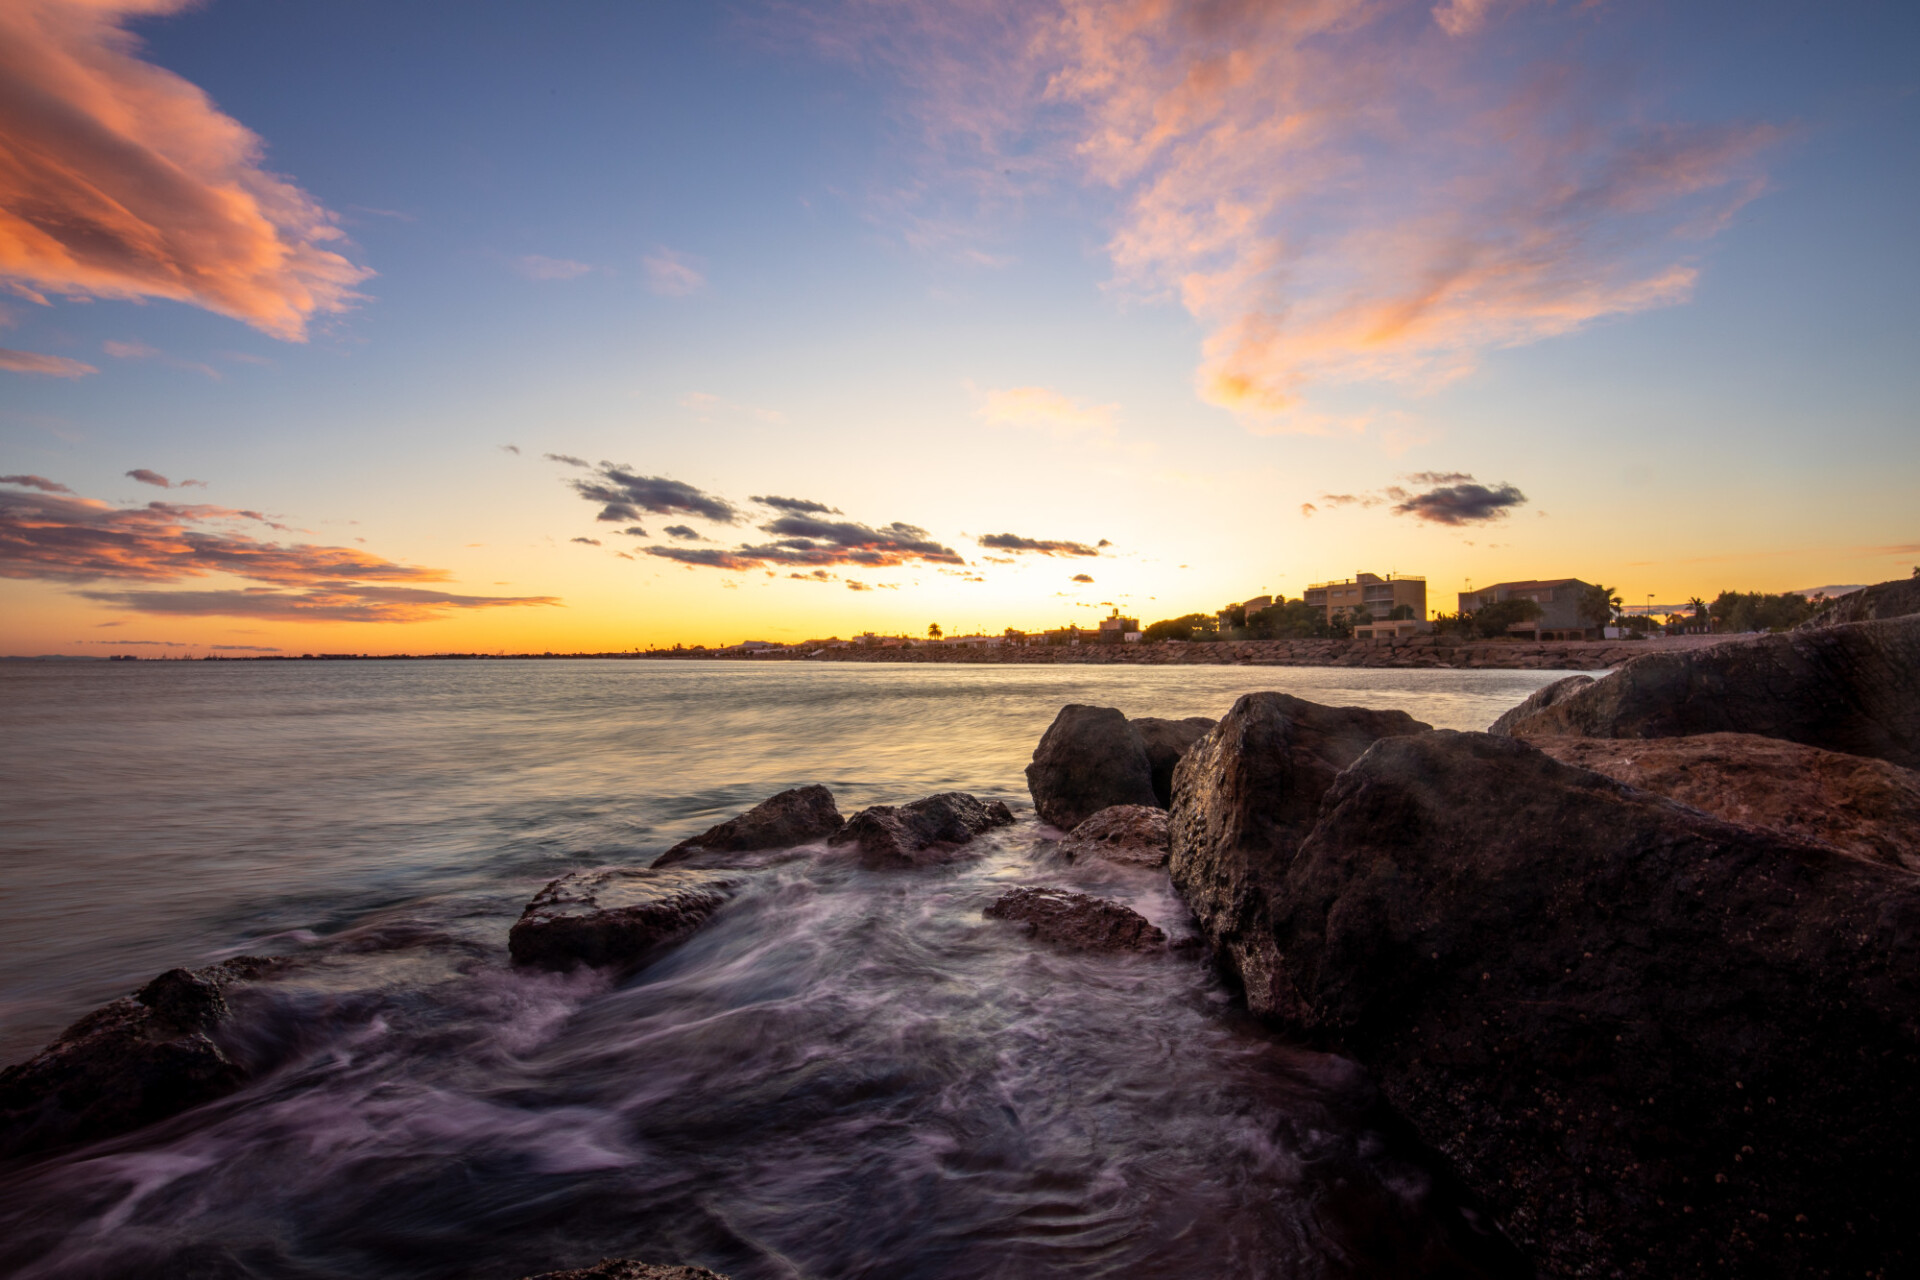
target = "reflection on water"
x: 847, y: 1074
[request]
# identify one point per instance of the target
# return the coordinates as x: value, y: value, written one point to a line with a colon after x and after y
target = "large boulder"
x: 1166, y: 742
x: 791, y: 818
x: 1658, y: 1043
x: 1895, y: 599
x: 1852, y: 688
x: 1089, y: 758
x: 1867, y: 808
x: 128, y: 1064
x: 1539, y: 700
x: 922, y: 833
x: 628, y: 1269
x: 1077, y: 921
x: 1133, y: 834
x: 1243, y: 799
x: 615, y: 916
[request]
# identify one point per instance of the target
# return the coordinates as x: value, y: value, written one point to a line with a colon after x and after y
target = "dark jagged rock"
x: 1135, y: 834
x: 890, y: 837
x: 1851, y: 688
x: 128, y: 1064
x: 628, y: 1269
x: 1862, y: 807
x: 1658, y: 1043
x: 1894, y: 599
x: 1243, y: 799
x: 1089, y: 758
x: 615, y: 916
x: 791, y: 818
x: 1538, y: 700
x: 1077, y: 921
x: 1166, y: 742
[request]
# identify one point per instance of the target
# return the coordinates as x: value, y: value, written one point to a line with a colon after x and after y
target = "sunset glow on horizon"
x: 357, y: 328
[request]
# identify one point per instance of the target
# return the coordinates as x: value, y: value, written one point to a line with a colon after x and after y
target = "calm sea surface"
x: 847, y: 1073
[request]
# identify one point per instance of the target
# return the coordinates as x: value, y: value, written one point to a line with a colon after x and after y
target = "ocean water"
x: 847, y: 1073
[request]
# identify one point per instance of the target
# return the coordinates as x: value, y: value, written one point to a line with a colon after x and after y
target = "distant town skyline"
x: 373, y: 328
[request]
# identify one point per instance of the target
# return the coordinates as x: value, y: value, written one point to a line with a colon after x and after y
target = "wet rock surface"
x: 1244, y: 798
x: 1658, y: 1043
x: 1865, y: 808
x: 1166, y: 742
x: 1849, y: 688
x: 1077, y: 921
x: 1538, y: 700
x: 615, y: 916
x: 791, y: 818
x: 928, y: 831
x: 627, y: 1269
x: 128, y: 1064
x: 1089, y: 759
x: 1132, y: 834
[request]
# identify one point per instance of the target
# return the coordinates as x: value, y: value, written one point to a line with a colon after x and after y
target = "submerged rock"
x: 1850, y: 688
x: 628, y: 1269
x: 1862, y: 807
x: 1135, y: 834
x: 615, y: 916
x: 1077, y: 921
x: 790, y: 818
x: 1167, y: 741
x: 1089, y: 759
x: 1538, y: 700
x: 924, y: 832
x: 128, y: 1064
x: 1244, y: 798
x: 1658, y: 1043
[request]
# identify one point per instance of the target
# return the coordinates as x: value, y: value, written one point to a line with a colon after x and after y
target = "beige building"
x: 1378, y: 596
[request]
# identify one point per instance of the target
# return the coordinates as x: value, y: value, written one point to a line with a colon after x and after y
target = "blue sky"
x: 984, y: 269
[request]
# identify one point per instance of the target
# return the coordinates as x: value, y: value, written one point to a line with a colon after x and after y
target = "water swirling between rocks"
x: 846, y: 1073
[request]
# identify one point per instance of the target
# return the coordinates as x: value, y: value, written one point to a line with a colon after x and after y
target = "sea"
x: 847, y: 1073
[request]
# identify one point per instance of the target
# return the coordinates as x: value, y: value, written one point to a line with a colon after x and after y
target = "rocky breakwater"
x: 131, y: 1063
x: 1659, y: 1034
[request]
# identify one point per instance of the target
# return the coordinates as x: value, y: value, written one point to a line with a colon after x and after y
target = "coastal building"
x: 1114, y: 629
x: 1559, y: 600
x: 1379, y: 597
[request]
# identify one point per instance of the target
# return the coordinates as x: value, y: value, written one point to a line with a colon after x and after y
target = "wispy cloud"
x: 36, y: 482
x: 128, y: 350
x: 122, y: 180
x: 671, y: 274
x: 1045, y: 408
x: 332, y: 603
x: 591, y: 542
x: 159, y: 481
x: 796, y: 506
x: 1340, y: 191
x: 683, y: 532
x: 34, y: 361
x: 52, y: 536
x: 707, y: 404
x: 1038, y: 546
x: 537, y: 266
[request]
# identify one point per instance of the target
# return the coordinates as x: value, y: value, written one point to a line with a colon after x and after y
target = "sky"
x: 375, y: 328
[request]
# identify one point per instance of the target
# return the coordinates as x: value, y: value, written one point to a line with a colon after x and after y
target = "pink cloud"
x: 120, y: 179
x: 1340, y: 191
x: 48, y: 366
x: 672, y: 275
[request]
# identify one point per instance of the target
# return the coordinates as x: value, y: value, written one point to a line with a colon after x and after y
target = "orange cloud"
x: 1045, y: 408
x: 1341, y: 191
x: 51, y: 535
x: 35, y: 362
x: 119, y: 179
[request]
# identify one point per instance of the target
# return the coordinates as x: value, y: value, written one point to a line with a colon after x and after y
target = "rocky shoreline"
x: 1439, y: 652
x: 1641, y: 963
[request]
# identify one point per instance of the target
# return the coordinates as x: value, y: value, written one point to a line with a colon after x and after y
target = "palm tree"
x: 933, y: 631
